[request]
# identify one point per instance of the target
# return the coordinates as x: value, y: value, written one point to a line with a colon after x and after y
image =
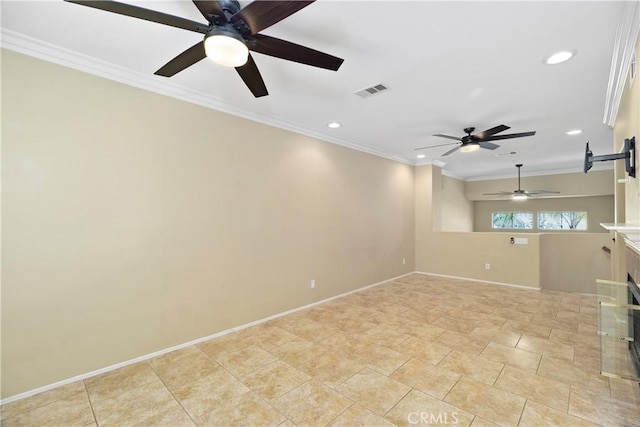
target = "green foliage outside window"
x: 545, y: 220
x: 562, y: 220
x: 514, y: 220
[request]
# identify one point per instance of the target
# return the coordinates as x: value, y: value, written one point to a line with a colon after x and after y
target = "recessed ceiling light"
x: 334, y: 125
x: 421, y: 156
x: 574, y: 132
x: 559, y: 57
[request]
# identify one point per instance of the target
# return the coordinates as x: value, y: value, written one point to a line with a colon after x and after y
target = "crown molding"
x: 434, y: 162
x: 452, y: 175
x: 30, y: 46
x: 623, y: 48
x: 441, y: 165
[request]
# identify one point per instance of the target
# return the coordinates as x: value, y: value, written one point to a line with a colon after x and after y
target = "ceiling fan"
x: 476, y: 141
x: 520, y: 194
x: 229, y: 34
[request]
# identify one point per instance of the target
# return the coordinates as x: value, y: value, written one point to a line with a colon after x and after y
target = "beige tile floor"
x: 421, y: 350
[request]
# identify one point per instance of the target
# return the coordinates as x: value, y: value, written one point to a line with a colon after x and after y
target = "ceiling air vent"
x: 372, y: 90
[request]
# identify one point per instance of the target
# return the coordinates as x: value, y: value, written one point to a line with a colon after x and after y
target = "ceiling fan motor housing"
x: 230, y: 7
x: 225, y: 30
x: 223, y: 26
x: 468, y: 138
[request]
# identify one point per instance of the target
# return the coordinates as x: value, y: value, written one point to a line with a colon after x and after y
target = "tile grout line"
x: 522, y: 411
x: 399, y: 400
x: 539, y: 364
x: 342, y: 412
x: 504, y: 365
x: 273, y: 406
x: 453, y: 386
x: 93, y: 412
x: 171, y: 393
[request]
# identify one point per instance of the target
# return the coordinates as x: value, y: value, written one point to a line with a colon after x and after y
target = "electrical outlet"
x: 487, y: 266
x: 313, y: 284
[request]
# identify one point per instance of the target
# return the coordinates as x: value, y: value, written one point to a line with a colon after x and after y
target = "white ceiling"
x: 449, y: 65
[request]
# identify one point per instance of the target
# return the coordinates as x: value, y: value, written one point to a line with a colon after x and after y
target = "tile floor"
x: 421, y: 350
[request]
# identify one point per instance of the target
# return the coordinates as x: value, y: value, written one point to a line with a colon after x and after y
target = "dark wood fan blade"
x: 434, y: 146
x: 146, y: 14
x: 210, y: 7
x: 509, y: 136
x: 283, y: 49
x: 447, y: 136
x: 453, y: 150
x: 252, y: 78
x: 489, y: 132
x: 186, y: 59
x: 488, y: 145
x: 263, y: 14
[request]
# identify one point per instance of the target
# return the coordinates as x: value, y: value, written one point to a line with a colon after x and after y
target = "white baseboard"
x: 183, y: 345
x: 511, y: 285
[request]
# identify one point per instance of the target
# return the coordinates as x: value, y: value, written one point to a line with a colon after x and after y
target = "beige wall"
x: 457, y: 212
x: 422, y: 210
x: 133, y: 222
x: 599, y: 209
x: 571, y: 262
x: 427, y: 195
x: 554, y: 260
x: 465, y: 255
x: 627, y: 125
x: 557, y: 261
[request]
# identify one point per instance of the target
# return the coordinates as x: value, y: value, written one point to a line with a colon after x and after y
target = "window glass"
x: 521, y: 220
x: 562, y: 220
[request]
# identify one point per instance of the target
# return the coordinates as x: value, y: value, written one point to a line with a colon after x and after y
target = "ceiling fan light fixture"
x: 519, y: 197
x: 226, y: 47
x: 574, y: 132
x: 468, y: 148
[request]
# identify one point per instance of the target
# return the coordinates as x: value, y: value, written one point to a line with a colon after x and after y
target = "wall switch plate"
x: 487, y: 266
x: 404, y: 261
x: 313, y: 284
x: 521, y: 241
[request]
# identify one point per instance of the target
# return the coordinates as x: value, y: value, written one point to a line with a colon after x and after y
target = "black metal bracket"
x: 629, y: 156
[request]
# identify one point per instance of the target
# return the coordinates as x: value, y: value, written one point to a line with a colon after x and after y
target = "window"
x: 521, y: 220
x: 562, y: 220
